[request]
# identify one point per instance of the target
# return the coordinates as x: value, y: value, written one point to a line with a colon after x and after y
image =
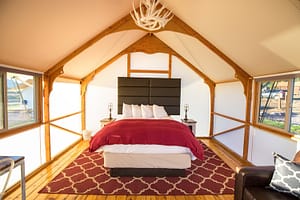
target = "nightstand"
x: 191, y: 124
x: 106, y: 121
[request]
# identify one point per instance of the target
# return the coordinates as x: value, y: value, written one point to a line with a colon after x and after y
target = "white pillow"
x: 126, y: 111
x: 147, y: 111
x: 159, y: 112
x: 136, y: 111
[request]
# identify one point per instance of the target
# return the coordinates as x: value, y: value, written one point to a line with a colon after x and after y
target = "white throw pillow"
x: 159, y: 112
x: 136, y: 111
x: 147, y: 111
x: 126, y: 111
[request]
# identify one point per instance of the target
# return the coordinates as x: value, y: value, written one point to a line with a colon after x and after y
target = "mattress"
x: 146, y: 149
x: 146, y: 156
x: 142, y: 160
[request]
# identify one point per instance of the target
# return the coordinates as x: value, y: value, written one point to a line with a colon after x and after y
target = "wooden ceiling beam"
x: 178, y: 25
x: 149, y: 44
x: 126, y: 23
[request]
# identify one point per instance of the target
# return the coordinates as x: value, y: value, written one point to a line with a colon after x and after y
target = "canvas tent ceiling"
x: 263, y: 37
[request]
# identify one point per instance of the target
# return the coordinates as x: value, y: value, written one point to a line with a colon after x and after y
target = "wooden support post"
x: 248, y: 90
x: 128, y: 64
x: 83, y: 85
x: 47, y: 118
x: 170, y: 66
x: 48, y: 85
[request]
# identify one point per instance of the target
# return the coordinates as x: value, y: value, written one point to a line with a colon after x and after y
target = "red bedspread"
x: 147, y: 131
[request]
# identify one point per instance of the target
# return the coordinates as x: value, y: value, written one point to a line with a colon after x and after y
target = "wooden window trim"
x: 18, y: 130
x: 6, y: 132
x: 255, y: 124
x: 145, y: 71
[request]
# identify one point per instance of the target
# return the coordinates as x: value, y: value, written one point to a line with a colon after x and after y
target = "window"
x: 1, y: 103
x: 19, y: 102
x: 157, y: 65
x: 279, y: 104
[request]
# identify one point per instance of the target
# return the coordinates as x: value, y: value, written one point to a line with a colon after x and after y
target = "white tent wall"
x: 63, y: 103
x: 230, y: 101
x: 195, y: 93
x: 262, y: 144
x: 103, y: 89
x: 28, y: 144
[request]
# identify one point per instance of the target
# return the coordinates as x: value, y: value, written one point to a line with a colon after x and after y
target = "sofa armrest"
x: 252, y: 176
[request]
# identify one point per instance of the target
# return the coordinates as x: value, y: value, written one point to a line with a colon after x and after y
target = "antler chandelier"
x: 151, y: 15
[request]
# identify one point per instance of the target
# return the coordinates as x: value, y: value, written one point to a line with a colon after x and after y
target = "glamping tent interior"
x: 237, y: 61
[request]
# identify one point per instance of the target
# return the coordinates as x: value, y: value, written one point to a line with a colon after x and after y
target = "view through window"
x: 279, y: 105
x: 20, y: 97
x: 295, y: 110
x: 1, y: 103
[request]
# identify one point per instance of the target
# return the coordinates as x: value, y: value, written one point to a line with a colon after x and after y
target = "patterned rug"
x: 86, y: 175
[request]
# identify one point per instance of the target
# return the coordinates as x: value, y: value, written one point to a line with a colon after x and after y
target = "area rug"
x: 86, y: 175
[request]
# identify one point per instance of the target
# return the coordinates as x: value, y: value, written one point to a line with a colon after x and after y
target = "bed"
x: 146, y: 141
x: 148, y: 145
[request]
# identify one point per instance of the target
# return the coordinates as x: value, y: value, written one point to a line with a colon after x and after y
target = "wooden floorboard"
x: 36, y: 183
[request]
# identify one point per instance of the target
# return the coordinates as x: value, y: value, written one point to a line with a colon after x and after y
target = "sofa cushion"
x: 261, y: 193
x: 286, y: 177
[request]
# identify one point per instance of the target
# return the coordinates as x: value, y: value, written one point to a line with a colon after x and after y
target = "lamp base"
x: 185, y: 116
x: 109, y: 115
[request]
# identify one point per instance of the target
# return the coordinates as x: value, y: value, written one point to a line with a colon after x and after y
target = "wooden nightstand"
x: 106, y: 121
x: 191, y: 124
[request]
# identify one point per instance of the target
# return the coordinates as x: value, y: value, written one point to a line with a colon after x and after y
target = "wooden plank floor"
x: 37, y: 182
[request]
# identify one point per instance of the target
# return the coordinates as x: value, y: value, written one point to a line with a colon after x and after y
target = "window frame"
x: 5, y: 131
x: 289, y: 101
x: 161, y: 72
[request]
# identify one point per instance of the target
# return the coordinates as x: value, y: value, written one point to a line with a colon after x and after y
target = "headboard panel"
x: 160, y: 91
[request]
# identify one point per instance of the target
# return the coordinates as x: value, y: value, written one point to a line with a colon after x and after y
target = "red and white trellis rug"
x: 86, y: 175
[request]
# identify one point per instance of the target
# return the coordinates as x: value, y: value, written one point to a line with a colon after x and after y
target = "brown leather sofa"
x: 251, y: 183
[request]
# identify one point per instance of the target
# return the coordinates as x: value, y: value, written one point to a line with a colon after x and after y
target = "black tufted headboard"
x: 149, y: 91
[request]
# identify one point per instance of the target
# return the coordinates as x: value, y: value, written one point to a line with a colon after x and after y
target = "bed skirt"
x: 146, y: 172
